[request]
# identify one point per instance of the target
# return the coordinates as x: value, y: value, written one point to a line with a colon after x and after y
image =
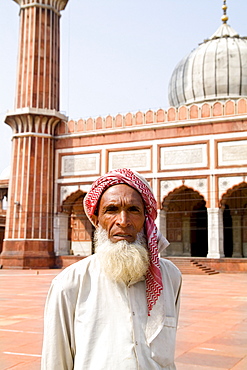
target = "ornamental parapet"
x: 186, y: 114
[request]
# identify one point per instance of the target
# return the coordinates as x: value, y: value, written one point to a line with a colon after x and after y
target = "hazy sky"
x: 117, y: 56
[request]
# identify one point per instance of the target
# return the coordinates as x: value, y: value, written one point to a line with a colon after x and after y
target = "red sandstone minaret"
x: 29, y: 226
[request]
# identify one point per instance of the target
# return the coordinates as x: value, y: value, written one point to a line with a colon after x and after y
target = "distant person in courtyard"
x: 117, y: 309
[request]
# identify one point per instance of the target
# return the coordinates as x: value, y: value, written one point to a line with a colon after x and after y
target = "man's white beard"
x: 122, y: 261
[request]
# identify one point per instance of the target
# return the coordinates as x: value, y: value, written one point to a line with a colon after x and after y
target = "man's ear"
x: 95, y: 220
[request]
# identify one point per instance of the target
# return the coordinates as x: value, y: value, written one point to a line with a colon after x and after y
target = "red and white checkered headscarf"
x: 154, y: 284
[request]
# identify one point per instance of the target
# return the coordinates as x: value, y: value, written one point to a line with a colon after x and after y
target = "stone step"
x: 190, y: 266
x: 202, y: 267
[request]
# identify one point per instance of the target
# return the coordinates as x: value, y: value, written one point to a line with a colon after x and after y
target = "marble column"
x: 61, y: 242
x: 237, y: 235
x: 186, y: 236
x: 215, y: 233
x: 245, y: 234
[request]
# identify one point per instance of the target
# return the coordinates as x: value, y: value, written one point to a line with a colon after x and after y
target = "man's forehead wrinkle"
x: 121, y: 194
x: 108, y: 205
x: 120, y: 204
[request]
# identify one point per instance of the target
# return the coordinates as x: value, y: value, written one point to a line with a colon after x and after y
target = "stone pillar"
x: 244, y: 223
x: 237, y: 235
x: 61, y: 242
x: 215, y: 233
x: 186, y: 236
x: 29, y: 241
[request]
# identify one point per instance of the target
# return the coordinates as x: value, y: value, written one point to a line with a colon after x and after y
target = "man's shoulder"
x: 168, y: 263
x: 76, y: 270
x: 171, y: 268
x: 74, y: 279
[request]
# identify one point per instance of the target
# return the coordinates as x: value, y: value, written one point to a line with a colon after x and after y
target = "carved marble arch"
x: 75, y: 198
x: 235, y: 198
x: 234, y: 205
x: 184, y: 199
x: 186, y: 222
x: 80, y: 229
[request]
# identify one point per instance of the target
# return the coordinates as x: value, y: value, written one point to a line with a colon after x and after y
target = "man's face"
x: 121, y: 213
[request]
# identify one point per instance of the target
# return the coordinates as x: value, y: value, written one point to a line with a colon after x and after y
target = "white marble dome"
x: 5, y: 174
x: 215, y: 70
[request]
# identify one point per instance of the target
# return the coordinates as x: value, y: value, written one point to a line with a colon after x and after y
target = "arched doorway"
x: 234, y: 203
x: 186, y: 216
x: 227, y: 231
x: 79, y: 228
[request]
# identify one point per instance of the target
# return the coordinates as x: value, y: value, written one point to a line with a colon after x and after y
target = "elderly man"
x: 117, y: 309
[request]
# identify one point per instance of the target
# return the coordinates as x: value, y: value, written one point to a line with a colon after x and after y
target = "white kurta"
x: 92, y: 323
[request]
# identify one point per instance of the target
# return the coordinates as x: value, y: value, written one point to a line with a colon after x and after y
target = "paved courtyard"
x: 212, y: 332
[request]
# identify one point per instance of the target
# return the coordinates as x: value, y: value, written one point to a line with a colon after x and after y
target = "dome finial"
x: 224, y: 17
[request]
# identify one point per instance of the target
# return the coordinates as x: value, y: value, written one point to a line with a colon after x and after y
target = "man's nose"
x: 123, y: 219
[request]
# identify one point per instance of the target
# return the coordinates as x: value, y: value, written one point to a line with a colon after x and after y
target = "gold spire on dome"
x: 224, y: 17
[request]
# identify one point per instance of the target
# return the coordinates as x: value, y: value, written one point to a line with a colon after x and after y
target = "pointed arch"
x: 71, y: 199
x: 186, y: 222
x: 79, y: 228
x: 234, y: 204
x: 236, y: 196
x: 186, y: 196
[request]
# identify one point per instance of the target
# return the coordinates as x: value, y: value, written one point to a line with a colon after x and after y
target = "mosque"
x: 194, y: 154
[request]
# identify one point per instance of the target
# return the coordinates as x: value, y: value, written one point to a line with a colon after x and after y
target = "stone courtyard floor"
x: 212, y: 333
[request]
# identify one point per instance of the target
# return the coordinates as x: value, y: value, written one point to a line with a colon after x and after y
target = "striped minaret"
x: 28, y: 239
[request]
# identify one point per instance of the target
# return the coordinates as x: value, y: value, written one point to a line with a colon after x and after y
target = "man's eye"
x: 111, y: 209
x: 134, y: 209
